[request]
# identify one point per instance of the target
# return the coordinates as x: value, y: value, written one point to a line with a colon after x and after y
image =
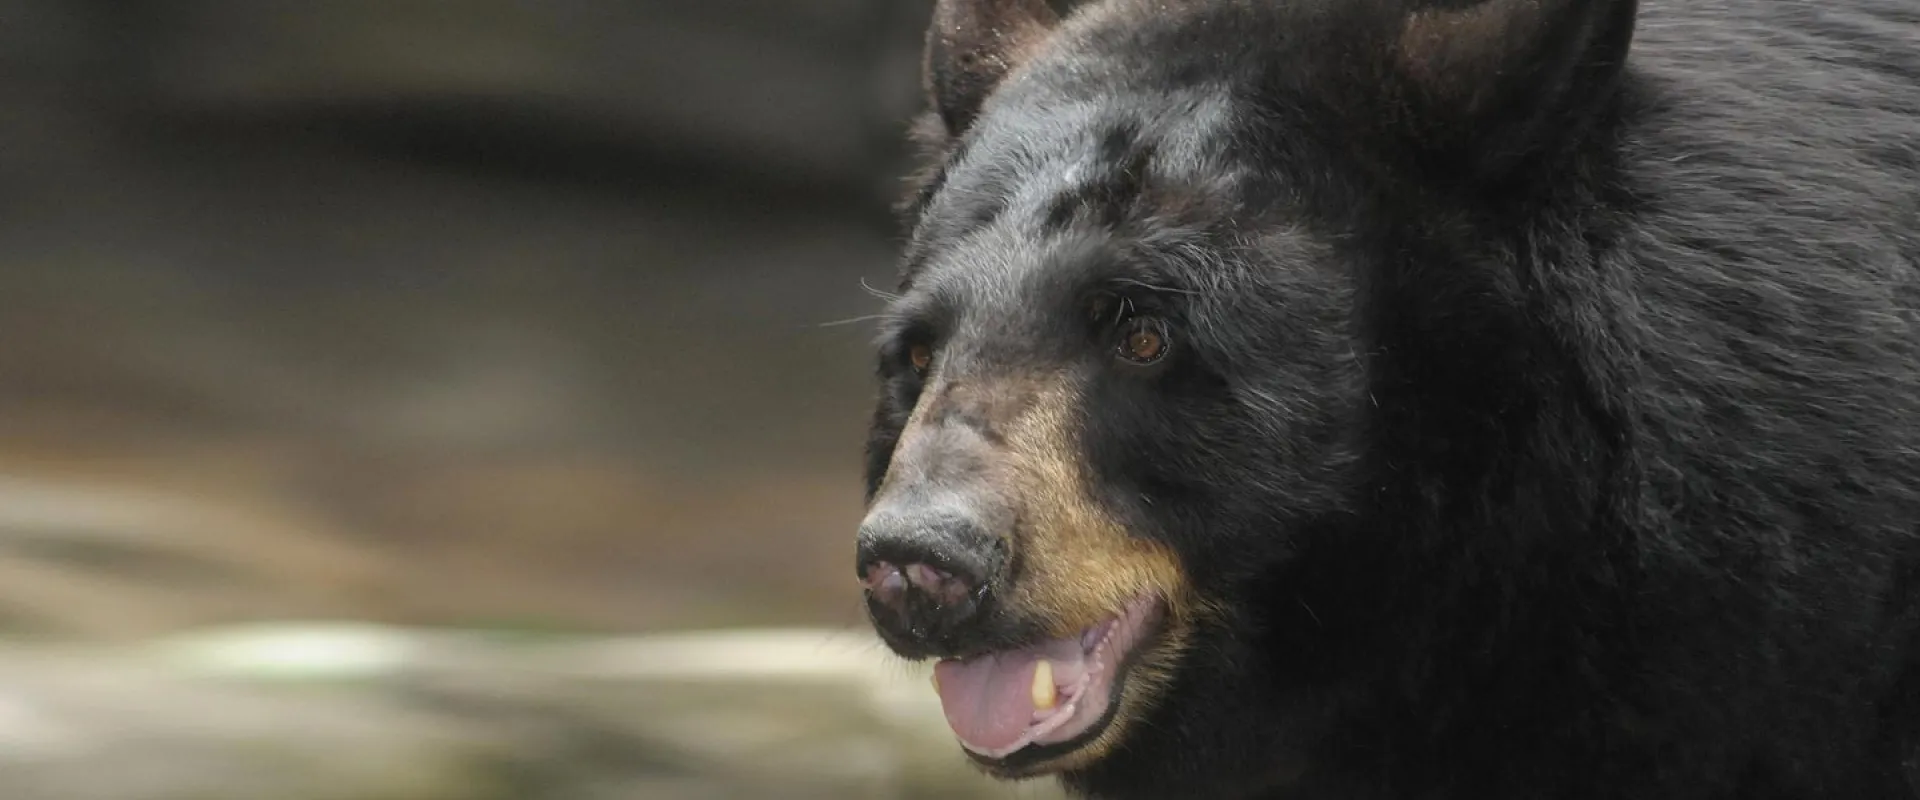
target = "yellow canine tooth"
x: 1044, y: 695
x: 935, y: 678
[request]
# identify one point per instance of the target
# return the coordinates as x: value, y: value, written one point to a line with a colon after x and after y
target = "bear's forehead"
x: 1046, y: 190
x: 1032, y: 143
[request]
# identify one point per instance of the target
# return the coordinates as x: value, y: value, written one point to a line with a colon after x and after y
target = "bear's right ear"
x: 1487, y: 83
x: 971, y: 47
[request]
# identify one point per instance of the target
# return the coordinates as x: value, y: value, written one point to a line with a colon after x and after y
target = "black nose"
x: 926, y: 568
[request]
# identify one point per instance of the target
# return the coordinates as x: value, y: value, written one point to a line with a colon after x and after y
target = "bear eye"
x: 920, y: 357
x: 1143, y: 341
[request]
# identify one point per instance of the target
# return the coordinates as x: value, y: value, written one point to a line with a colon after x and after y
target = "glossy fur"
x: 1545, y: 428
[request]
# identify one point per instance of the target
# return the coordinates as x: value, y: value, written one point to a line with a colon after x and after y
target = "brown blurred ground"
x: 440, y: 313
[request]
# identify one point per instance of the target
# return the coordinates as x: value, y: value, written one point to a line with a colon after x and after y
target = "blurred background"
x: 421, y: 399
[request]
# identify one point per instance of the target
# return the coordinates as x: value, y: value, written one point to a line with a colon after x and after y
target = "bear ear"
x: 971, y: 47
x: 1490, y: 82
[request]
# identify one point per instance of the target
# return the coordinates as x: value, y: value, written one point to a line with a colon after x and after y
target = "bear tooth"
x: 935, y: 679
x: 1044, y: 696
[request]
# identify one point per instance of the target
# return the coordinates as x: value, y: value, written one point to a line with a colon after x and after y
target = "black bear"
x: 1477, y: 399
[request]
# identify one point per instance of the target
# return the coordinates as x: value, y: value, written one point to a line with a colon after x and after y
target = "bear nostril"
x: 890, y: 585
x: 887, y: 584
x: 942, y: 586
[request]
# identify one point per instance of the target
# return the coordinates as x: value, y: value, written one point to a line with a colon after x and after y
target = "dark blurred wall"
x: 440, y: 311
x: 787, y: 92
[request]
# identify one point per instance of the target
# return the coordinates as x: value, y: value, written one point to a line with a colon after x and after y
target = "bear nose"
x: 889, y: 583
x: 925, y: 570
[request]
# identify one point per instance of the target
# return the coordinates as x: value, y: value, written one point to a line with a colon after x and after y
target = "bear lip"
x: 987, y: 699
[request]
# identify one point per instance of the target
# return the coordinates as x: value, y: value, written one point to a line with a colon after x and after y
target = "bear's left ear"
x: 1487, y: 83
x: 971, y: 47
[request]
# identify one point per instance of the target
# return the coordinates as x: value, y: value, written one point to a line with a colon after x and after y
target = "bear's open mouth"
x: 1055, y: 695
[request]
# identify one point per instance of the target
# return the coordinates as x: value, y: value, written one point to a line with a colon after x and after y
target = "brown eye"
x: 921, y: 357
x: 1145, y: 342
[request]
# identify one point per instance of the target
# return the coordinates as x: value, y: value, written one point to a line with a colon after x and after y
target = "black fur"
x: 1557, y: 440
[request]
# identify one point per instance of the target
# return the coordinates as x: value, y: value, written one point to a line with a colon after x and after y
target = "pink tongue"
x: 989, y: 700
